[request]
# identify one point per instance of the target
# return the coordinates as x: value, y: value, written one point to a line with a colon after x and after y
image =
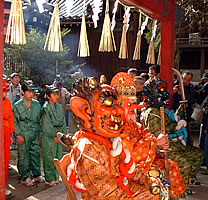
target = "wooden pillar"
x: 167, y: 51
x: 202, y: 65
x: 2, y: 172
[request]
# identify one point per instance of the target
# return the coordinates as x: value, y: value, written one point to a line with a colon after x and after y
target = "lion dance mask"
x: 100, y: 167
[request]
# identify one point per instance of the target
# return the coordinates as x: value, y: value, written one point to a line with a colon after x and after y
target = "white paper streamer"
x: 127, y: 18
x: 113, y: 23
x: 96, y: 11
x: 154, y: 29
x: 144, y: 24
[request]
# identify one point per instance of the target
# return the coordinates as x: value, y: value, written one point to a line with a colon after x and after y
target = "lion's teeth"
x: 112, y: 118
x: 116, y: 127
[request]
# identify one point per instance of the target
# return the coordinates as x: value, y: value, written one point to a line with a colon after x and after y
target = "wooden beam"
x: 2, y: 170
x: 162, y: 10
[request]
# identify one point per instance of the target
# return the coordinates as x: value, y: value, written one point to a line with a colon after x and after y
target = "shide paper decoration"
x: 53, y: 39
x: 113, y: 23
x: 107, y: 42
x: 16, y: 27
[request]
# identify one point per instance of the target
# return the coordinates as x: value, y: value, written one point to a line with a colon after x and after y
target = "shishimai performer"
x: 100, y: 167
x: 141, y: 142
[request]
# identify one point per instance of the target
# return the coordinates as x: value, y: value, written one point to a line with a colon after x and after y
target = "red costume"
x: 8, y: 126
x: 139, y: 140
x: 100, y: 167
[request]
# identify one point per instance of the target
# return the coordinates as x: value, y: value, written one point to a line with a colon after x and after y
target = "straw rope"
x: 83, y: 48
x: 123, y: 53
x: 53, y: 38
x: 16, y: 27
x: 137, y: 50
x: 107, y: 42
x: 159, y: 56
x: 151, y: 50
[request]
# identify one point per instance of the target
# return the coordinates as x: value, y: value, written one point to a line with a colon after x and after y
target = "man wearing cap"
x: 27, y: 113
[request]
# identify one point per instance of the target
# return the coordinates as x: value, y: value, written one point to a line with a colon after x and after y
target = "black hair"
x: 132, y: 70
x: 144, y: 75
x: 48, y: 93
x: 14, y: 74
x: 24, y: 87
x: 188, y: 73
x: 156, y: 68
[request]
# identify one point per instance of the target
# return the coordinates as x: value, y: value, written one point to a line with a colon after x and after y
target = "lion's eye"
x: 162, y: 89
x: 108, y: 102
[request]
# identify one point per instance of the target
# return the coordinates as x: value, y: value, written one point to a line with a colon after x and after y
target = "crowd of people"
x: 28, y: 122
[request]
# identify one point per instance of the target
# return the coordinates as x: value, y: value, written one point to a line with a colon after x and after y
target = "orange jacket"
x: 8, y: 121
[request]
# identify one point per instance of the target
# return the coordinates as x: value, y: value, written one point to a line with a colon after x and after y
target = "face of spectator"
x: 139, y: 85
x: 53, y: 98
x: 28, y: 95
x: 15, y: 80
x: 152, y: 73
x: 186, y: 79
x: 132, y: 74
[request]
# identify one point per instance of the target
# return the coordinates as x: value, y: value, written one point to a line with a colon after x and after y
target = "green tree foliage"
x: 157, y: 38
x: 195, y: 17
x: 41, y: 64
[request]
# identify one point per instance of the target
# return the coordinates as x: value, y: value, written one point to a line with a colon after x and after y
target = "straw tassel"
x: 123, y: 53
x: 83, y: 49
x: 16, y: 27
x: 53, y: 39
x: 159, y: 56
x: 107, y: 42
x: 151, y: 50
x: 151, y: 53
x: 137, y: 49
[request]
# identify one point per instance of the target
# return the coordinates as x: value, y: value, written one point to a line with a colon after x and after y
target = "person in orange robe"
x: 8, y: 128
x: 139, y: 140
x: 100, y: 167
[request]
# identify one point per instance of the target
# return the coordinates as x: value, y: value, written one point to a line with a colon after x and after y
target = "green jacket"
x: 53, y: 120
x: 27, y: 121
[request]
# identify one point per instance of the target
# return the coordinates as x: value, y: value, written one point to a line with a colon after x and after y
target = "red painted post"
x: 167, y: 51
x: 2, y: 171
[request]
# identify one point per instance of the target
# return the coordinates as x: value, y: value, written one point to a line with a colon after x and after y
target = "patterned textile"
x: 177, y: 187
x: 98, y: 174
x: 188, y: 158
x: 142, y: 146
x: 15, y: 93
